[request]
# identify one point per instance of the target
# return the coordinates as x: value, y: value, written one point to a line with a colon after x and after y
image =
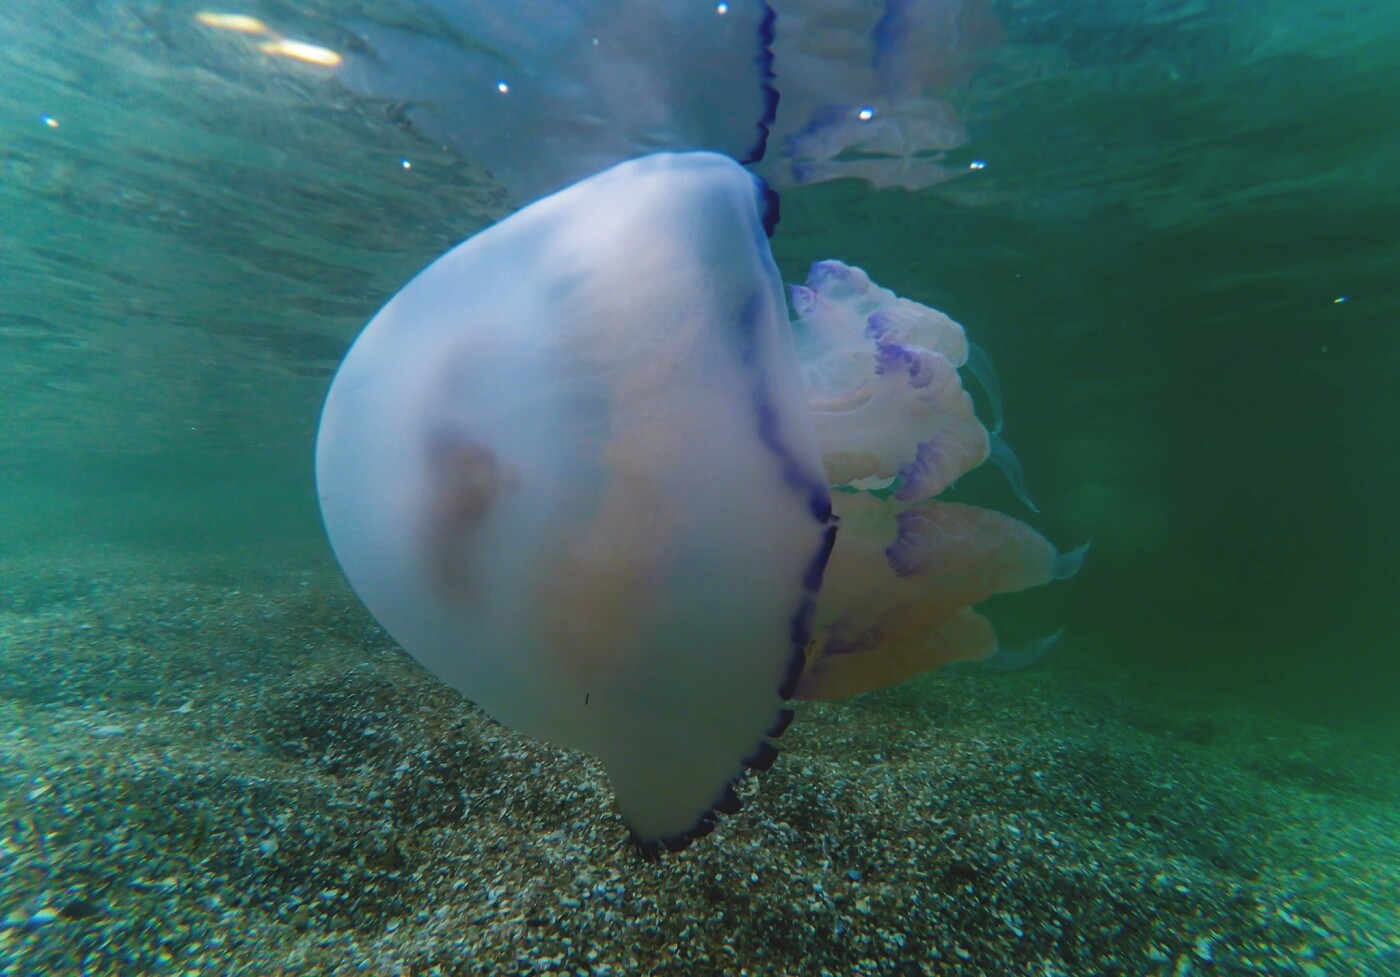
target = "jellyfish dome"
x: 570, y: 469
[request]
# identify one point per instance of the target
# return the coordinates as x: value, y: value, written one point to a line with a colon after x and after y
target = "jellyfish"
x: 585, y: 470
x: 546, y: 92
x: 569, y: 468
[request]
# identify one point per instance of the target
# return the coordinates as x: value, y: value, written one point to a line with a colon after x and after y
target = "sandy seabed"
x: 208, y: 770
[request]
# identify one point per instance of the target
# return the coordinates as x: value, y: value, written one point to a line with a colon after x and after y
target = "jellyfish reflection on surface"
x: 544, y: 93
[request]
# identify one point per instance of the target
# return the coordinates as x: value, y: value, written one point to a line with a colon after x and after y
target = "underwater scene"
x: 585, y: 488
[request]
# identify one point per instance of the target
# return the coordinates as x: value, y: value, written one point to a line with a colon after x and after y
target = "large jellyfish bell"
x: 570, y: 469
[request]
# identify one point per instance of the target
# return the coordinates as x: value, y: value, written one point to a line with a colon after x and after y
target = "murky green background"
x: 1183, y: 255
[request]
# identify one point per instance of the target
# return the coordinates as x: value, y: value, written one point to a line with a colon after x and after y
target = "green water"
x: 1154, y: 255
x: 1183, y: 255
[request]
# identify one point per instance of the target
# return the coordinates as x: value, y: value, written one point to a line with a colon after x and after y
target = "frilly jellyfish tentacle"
x: 570, y: 469
x: 979, y: 364
x: 1012, y: 659
x: 1015, y: 659
x: 1004, y: 458
x: 882, y: 383
x: 1069, y: 564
